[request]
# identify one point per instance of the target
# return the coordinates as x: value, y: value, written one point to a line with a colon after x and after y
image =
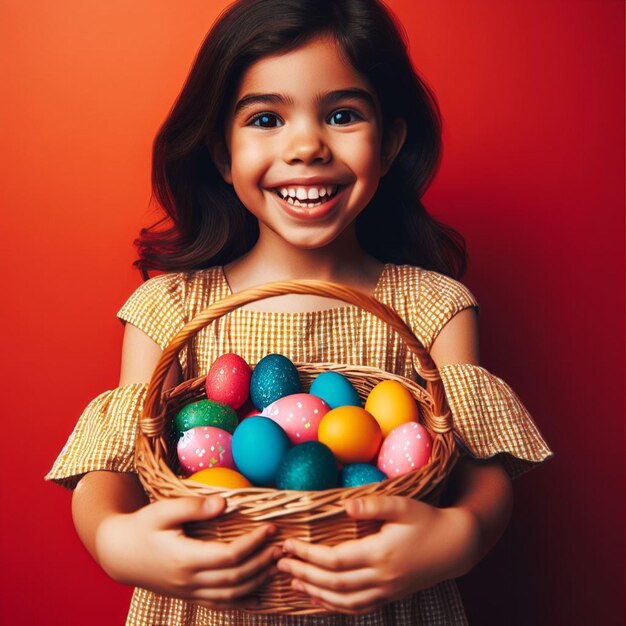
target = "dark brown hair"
x: 205, y: 222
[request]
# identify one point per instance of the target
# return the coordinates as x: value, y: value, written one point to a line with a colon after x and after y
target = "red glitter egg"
x: 228, y: 380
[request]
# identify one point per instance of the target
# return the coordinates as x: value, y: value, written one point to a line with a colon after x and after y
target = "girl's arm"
x: 142, y: 544
x: 419, y: 545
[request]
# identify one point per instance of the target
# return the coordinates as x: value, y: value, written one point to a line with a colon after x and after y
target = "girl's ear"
x: 393, y: 140
x: 221, y: 159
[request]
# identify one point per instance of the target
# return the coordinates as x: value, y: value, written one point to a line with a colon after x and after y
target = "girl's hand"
x: 418, y: 546
x: 149, y: 548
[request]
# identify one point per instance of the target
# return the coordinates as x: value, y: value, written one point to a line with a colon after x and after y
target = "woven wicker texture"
x: 316, y: 516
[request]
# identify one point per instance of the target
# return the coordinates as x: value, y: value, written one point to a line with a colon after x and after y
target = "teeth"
x: 307, y: 193
x: 306, y: 205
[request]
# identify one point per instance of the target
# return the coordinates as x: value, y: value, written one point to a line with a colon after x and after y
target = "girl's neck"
x: 273, y: 259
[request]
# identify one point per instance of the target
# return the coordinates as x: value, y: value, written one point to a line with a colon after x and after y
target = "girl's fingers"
x: 226, y: 594
x: 350, y: 580
x: 173, y: 512
x: 204, y: 555
x: 391, y: 508
x: 348, y: 555
x: 228, y: 577
x: 357, y: 602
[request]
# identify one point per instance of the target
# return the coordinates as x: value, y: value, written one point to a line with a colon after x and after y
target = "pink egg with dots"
x: 299, y: 415
x: 203, y: 447
x: 228, y: 380
x: 406, y: 448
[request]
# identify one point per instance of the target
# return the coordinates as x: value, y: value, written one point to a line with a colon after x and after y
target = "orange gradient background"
x: 532, y: 98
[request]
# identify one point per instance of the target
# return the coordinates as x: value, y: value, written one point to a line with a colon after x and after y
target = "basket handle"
x: 151, y: 422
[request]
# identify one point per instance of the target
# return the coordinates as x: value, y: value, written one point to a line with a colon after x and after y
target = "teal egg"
x: 259, y: 445
x: 309, y: 466
x: 357, y: 474
x: 273, y: 377
x: 206, y: 413
x: 335, y: 389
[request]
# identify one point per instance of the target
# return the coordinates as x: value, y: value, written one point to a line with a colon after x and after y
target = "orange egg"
x: 221, y: 477
x: 351, y: 433
x: 391, y: 404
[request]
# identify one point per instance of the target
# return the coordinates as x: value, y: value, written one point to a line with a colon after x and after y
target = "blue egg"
x: 309, y: 466
x: 273, y: 377
x: 357, y: 474
x: 335, y: 389
x: 258, y: 446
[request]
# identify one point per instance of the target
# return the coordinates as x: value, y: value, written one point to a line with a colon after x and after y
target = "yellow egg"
x: 391, y: 404
x: 221, y: 477
x: 351, y: 433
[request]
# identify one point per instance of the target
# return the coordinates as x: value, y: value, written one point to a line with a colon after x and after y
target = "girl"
x: 299, y: 148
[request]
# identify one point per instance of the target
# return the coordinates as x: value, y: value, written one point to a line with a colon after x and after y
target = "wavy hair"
x: 206, y: 224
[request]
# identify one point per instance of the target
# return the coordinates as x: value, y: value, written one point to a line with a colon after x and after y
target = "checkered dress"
x: 489, y: 419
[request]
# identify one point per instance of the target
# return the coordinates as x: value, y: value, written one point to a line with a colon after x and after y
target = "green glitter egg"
x: 357, y: 474
x: 309, y: 466
x: 273, y: 377
x: 206, y: 413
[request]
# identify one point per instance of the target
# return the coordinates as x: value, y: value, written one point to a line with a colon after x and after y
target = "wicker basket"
x: 316, y: 516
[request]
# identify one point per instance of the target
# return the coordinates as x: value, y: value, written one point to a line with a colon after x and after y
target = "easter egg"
x: 357, y: 474
x: 273, y: 377
x: 335, y: 389
x: 299, y: 415
x: 259, y: 445
x: 391, y: 404
x: 203, y: 447
x: 309, y: 466
x: 406, y: 447
x: 221, y: 477
x: 351, y: 433
x: 206, y: 413
x: 228, y: 380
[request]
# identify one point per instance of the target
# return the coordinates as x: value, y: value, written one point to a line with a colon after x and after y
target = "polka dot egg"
x: 406, y: 448
x: 203, y: 447
x: 299, y: 415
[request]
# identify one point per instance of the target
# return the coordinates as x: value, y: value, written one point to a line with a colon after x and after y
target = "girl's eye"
x: 266, y: 120
x: 344, y: 116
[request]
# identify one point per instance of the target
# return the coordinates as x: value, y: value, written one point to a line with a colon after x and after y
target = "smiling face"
x: 304, y: 144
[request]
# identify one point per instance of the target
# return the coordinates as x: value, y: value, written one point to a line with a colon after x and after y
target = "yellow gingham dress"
x: 489, y: 418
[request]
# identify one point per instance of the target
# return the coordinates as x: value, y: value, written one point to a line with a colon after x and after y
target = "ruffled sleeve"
x: 156, y: 307
x: 439, y: 299
x: 489, y: 419
x: 103, y: 438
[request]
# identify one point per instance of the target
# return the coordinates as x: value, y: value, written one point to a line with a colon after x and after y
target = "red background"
x: 532, y: 97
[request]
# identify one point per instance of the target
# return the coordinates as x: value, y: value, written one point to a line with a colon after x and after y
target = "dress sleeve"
x: 156, y: 307
x: 438, y: 300
x: 489, y: 419
x: 103, y: 438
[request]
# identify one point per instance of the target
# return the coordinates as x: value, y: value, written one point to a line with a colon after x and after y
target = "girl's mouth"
x: 307, y: 197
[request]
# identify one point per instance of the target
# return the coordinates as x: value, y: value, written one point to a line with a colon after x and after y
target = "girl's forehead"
x: 318, y: 64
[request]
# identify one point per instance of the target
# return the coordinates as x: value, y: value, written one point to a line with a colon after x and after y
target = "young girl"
x: 299, y: 147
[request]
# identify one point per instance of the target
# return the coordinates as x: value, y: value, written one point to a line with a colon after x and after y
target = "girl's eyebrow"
x: 261, y: 98
x: 354, y: 93
x: 330, y: 97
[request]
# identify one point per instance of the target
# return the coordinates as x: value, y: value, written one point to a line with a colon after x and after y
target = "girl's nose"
x: 306, y: 145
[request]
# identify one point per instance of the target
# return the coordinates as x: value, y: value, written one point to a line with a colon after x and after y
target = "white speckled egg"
x: 406, y: 448
x: 203, y: 447
x: 299, y: 415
